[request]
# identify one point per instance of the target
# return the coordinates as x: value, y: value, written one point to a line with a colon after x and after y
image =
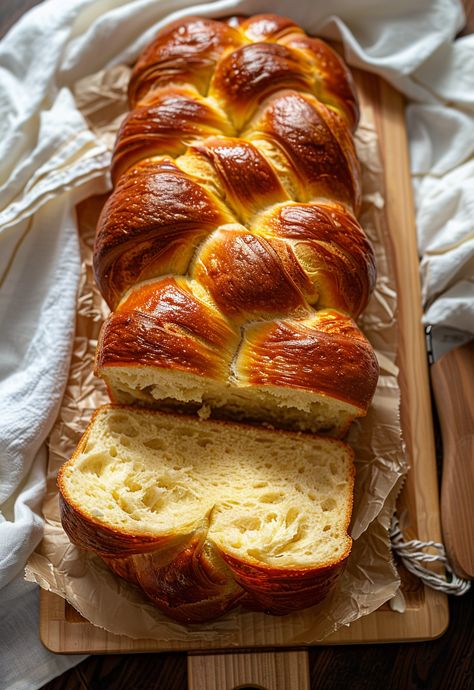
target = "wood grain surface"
x: 444, y: 664
x: 269, y: 670
x: 441, y: 664
x: 451, y: 376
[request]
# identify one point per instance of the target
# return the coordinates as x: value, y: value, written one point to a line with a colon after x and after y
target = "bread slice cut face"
x: 206, y: 515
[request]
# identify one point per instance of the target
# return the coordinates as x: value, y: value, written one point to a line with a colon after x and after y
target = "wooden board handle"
x: 453, y: 385
x: 262, y: 670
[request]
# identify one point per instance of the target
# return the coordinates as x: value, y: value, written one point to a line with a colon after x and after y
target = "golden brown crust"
x: 165, y: 325
x: 193, y: 587
x: 165, y: 124
x: 247, y: 76
x: 185, y: 51
x: 333, y: 249
x: 279, y: 591
x: 317, y: 144
x: 326, y: 354
x: 265, y: 27
x: 247, y: 277
x: 246, y: 179
x: 336, y: 86
x: 263, y: 222
x: 150, y: 226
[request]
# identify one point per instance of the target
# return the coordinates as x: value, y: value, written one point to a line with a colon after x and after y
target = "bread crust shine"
x: 236, y: 178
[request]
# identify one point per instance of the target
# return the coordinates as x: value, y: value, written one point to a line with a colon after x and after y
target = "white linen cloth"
x: 49, y: 160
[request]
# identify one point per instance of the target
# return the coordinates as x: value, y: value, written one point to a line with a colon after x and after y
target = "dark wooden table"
x: 443, y: 664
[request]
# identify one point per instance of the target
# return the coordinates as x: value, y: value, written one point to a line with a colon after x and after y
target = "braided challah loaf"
x: 229, y: 249
x: 231, y: 257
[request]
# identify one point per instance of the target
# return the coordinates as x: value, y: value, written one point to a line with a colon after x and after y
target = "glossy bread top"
x: 236, y: 182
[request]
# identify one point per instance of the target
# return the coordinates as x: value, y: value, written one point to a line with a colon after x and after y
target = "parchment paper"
x: 370, y: 578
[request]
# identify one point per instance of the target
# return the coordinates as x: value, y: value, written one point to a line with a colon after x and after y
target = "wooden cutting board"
x: 426, y: 616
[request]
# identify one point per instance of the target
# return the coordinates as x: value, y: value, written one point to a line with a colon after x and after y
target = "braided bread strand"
x: 229, y: 248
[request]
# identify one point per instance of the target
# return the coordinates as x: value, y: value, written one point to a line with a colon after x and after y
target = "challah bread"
x: 229, y: 249
x: 207, y: 515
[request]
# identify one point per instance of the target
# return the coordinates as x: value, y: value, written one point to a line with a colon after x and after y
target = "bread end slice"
x: 204, y: 515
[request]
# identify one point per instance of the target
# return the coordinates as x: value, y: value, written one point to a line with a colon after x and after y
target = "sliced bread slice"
x: 205, y: 515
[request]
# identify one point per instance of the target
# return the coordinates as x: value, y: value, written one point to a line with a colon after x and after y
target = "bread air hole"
x: 124, y: 503
x: 271, y: 497
x: 291, y: 516
x: 166, y: 482
x: 204, y: 442
x: 119, y: 424
x: 248, y: 524
x: 328, y: 504
x: 132, y: 484
x: 153, y: 499
x: 95, y: 464
x: 154, y: 444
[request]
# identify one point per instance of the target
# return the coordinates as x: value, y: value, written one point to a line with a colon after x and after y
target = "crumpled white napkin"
x: 50, y: 161
x: 442, y: 162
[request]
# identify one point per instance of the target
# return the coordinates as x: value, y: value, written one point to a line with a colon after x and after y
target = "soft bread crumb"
x: 290, y: 409
x: 269, y: 497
